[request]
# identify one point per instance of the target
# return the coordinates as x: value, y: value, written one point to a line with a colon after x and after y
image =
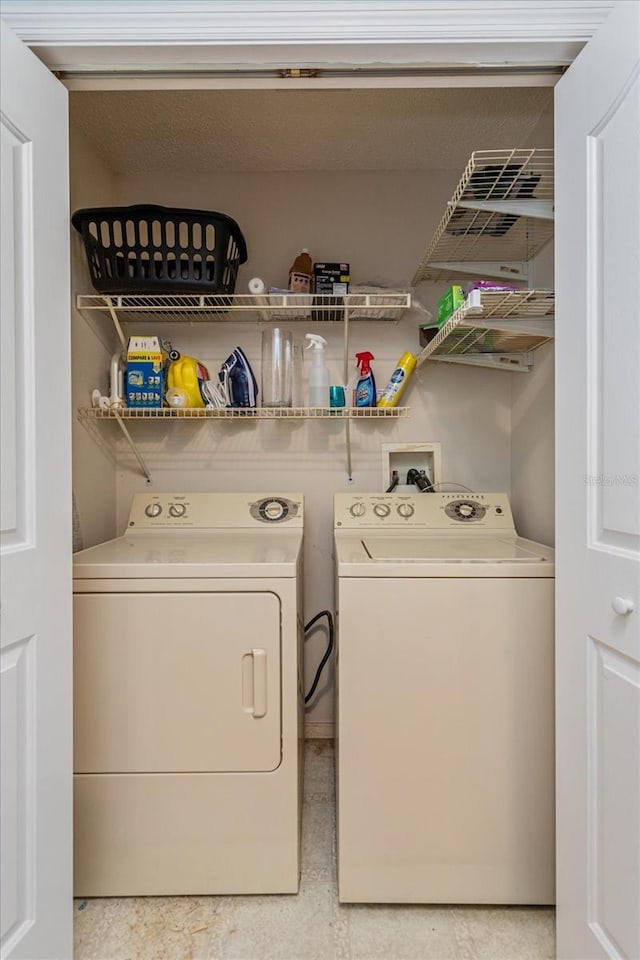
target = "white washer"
x: 188, y: 698
x: 445, y: 702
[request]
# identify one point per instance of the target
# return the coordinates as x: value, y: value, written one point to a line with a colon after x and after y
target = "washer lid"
x: 451, y: 549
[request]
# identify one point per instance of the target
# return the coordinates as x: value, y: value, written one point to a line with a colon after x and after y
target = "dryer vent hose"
x: 327, y: 653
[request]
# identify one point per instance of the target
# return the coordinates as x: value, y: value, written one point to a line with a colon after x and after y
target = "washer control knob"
x: 466, y: 510
x: 357, y: 509
x: 153, y: 509
x: 274, y: 509
x: 382, y: 509
x: 406, y: 510
x: 177, y: 509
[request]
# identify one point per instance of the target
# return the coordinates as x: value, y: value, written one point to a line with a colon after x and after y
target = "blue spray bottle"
x: 366, y: 386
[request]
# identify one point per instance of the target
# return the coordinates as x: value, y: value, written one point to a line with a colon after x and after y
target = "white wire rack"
x: 495, y: 329
x: 122, y: 416
x: 193, y: 308
x: 500, y: 216
x: 244, y: 413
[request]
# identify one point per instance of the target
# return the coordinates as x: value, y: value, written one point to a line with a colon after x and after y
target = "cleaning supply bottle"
x: 393, y: 390
x: 365, y: 395
x: 319, y: 376
x: 300, y: 273
x: 186, y: 374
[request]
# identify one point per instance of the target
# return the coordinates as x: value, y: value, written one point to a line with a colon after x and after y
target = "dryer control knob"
x: 153, y: 509
x: 177, y: 509
x: 357, y: 509
x: 382, y: 509
x: 406, y: 510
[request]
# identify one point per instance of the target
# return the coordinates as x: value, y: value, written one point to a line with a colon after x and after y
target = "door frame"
x: 173, y: 36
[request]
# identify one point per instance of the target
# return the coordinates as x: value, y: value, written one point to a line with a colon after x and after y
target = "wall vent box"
x: 145, y: 372
x: 403, y: 457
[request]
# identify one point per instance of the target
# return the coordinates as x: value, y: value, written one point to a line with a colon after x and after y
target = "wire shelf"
x: 495, y: 323
x: 192, y: 308
x: 244, y: 413
x: 500, y: 216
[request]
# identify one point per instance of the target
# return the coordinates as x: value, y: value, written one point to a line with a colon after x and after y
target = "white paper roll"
x: 256, y: 286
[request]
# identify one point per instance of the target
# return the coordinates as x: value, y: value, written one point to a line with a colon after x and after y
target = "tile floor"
x: 311, y: 925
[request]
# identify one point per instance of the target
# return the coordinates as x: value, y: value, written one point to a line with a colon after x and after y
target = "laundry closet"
x: 361, y: 176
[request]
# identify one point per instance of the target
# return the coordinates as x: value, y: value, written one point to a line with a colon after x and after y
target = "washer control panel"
x: 207, y: 511
x: 432, y: 511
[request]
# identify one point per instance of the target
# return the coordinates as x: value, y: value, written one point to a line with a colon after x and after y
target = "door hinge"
x: 298, y: 73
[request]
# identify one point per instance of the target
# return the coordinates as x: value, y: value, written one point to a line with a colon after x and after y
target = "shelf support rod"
x: 134, y: 449
x: 116, y: 322
x: 347, y: 437
x: 346, y: 352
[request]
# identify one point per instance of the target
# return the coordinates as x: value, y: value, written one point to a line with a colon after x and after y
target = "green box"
x: 449, y: 302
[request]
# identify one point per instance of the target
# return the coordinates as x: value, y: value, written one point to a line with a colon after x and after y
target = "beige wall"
x: 532, y: 432
x: 92, y: 184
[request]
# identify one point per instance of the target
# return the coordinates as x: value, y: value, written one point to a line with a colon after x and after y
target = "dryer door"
x: 176, y: 682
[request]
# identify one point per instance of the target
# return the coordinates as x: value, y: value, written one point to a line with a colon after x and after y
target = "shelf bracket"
x: 517, y: 270
x: 535, y: 209
x: 116, y: 322
x: 517, y: 362
x: 131, y: 443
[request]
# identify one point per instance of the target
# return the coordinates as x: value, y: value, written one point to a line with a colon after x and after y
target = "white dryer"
x: 445, y: 702
x: 188, y: 698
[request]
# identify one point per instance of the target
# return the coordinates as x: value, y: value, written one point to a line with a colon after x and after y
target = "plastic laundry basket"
x: 151, y: 249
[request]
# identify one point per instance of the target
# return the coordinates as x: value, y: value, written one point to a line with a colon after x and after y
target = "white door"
x: 36, y: 512
x: 598, y: 495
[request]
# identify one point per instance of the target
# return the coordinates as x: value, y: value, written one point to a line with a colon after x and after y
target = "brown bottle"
x: 300, y: 273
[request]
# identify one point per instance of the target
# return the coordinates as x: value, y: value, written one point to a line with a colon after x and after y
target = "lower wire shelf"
x: 121, y: 414
x: 242, y: 413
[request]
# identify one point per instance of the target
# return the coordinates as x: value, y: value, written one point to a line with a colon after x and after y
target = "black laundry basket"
x: 151, y: 249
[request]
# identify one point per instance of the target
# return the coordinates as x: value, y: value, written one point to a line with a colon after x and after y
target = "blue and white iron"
x: 238, y: 381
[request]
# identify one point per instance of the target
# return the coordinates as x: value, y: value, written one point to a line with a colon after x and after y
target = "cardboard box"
x: 329, y: 280
x: 449, y: 302
x: 145, y: 372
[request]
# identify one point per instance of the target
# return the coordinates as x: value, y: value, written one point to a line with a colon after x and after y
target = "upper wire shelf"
x: 499, y: 218
x: 193, y: 308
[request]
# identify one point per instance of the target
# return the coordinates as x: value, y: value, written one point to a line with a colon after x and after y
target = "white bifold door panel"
x: 176, y: 682
x: 35, y: 431
x: 598, y: 495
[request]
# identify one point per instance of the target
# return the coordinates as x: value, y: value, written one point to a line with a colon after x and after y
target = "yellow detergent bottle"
x: 184, y: 374
x: 393, y: 390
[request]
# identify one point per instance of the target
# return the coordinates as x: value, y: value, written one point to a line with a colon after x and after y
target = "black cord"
x: 327, y: 653
x: 421, y: 480
x: 395, y: 480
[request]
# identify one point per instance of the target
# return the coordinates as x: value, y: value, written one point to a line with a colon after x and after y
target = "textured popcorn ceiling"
x: 220, y: 130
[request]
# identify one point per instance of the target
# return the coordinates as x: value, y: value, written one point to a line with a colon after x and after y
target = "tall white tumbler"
x: 277, y: 368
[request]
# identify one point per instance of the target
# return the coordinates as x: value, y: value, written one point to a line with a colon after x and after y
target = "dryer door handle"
x: 259, y: 682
